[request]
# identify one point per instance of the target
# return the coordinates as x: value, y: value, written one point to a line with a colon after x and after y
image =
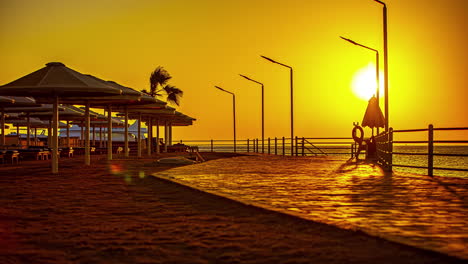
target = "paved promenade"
x: 425, y: 212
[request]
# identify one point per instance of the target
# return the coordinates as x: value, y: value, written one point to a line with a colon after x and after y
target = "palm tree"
x: 158, y: 86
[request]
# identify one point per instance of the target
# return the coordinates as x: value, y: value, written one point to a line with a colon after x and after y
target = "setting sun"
x: 364, y: 82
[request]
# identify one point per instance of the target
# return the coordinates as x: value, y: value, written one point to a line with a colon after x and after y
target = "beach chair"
x: 12, y: 155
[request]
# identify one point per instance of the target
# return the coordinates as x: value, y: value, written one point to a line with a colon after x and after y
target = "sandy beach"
x: 115, y: 212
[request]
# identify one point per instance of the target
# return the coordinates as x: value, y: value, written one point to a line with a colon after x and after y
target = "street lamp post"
x: 233, y: 111
x: 385, y: 40
x: 376, y: 63
x: 263, y: 111
x: 292, y: 100
x: 376, y: 69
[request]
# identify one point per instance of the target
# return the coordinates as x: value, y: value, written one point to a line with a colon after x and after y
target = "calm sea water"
x: 413, y: 160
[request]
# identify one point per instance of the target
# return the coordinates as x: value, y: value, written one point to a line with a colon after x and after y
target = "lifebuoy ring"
x: 361, y: 134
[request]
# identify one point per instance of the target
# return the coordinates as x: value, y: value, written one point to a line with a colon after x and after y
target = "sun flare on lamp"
x: 364, y: 82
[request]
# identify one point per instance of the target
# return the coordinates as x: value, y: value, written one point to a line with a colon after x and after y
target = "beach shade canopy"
x: 13, y: 116
x: 34, y: 123
x: 128, y: 96
x: 18, y: 101
x: 67, y: 113
x: 373, y: 116
x: 57, y: 80
x: 32, y: 109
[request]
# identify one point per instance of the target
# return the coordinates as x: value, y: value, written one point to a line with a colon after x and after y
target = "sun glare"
x: 364, y: 82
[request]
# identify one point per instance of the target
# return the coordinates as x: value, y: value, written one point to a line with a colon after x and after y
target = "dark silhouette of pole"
x: 376, y: 63
x: 263, y: 111
x: 292, y: 100
x: 233, y: 111
x: 385, y: 40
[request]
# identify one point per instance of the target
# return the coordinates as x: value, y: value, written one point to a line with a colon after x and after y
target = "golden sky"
x: 205, y: 43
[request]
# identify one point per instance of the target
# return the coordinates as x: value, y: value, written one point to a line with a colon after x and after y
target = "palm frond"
x: 159, y: 76
x: 173, y: 94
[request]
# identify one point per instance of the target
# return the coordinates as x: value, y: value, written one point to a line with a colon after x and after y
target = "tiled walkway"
x: 430, y: 213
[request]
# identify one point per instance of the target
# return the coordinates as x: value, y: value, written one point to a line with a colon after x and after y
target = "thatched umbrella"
x: 373, y: 116
x: 54, y: 82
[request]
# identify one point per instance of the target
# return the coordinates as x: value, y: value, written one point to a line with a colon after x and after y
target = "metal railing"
x: 280, y: 146
x: 386, y: 144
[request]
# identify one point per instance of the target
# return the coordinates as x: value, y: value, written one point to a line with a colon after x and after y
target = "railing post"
x: 303, y: 142
x: 283, y: 145
x: 268, y: 145
x: 276, y: 146
x: 430, y: 155
x: 211, y: 145
x: 296, y: 147
x: 390, y: 149
x: 257, y: 144
x: 248, y: 146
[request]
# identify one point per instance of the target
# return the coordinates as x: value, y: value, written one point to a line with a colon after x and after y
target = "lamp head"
x: 245, y: 77
x: 266, y: 58
x: 350, y: 41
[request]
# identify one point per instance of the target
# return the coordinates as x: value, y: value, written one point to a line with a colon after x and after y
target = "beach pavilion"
x: 129, y: 97
x: 55, y: 82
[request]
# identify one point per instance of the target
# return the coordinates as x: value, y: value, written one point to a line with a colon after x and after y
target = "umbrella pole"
x: 81, y: 135
x: 165, y: 136
x: 54, y: 136
x: 35, y: 136
x: 94, y: 136
x: 126, y: 133
x: 3, y: 129
x: 100, y: 137
x: 157, y: 137
x: 170, y: 134
x: 68, y: 133
x: 28, y: 132
x: 109, y: 133
x: 18, y: 133
x: 87, y: 147
x: 139, y: 136
x: 150, y: 135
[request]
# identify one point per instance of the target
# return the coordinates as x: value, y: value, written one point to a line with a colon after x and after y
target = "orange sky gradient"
x: 205, y: 43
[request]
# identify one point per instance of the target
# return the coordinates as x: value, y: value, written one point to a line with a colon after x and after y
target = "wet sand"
x: 116, y: 213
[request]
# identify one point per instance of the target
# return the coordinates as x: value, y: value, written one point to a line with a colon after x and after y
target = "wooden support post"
x: 276, y: 146
x: 282, y: 143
